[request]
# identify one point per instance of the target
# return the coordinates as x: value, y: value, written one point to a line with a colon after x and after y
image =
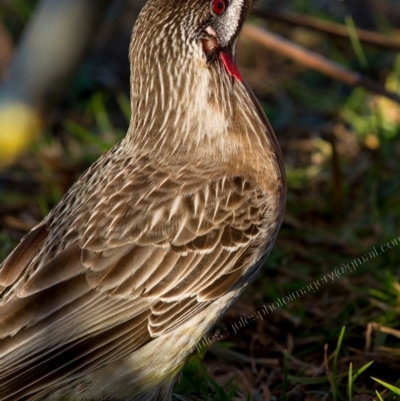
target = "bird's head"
x: 220, y: 30
x: 202, y: 29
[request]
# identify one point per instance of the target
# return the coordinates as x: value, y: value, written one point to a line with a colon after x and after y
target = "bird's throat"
x: 229, y: 62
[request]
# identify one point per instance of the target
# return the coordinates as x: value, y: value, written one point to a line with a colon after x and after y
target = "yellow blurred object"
x: 372, y: 142
x: 390, y: 111
x: 48, y: 53
x: 19, y: 125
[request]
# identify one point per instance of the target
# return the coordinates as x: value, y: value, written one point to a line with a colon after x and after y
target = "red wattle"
x: 230, y: 65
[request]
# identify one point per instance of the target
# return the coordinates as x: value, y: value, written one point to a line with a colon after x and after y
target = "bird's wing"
x: 130, y: 260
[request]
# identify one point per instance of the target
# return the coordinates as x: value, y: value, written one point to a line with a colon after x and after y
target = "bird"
x: 108, y: 296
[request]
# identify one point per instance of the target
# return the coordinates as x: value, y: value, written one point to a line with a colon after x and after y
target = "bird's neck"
x: 185, y: 110
x: 192, y: 110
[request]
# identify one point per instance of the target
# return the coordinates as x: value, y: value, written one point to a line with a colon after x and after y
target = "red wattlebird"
x: 107, y: 297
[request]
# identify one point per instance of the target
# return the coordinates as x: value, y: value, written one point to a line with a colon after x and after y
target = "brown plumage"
x: 110, y: 293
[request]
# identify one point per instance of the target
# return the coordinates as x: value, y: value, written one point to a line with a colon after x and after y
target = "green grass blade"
x: 85, y: 135
x: 355, y: 42
x: 220, y: 393
x: 100, y: 113
x: 124, y: 104
x: 335, y: 361
x: 350, y: 384
x: 394, y: 389
x: 361, y: 370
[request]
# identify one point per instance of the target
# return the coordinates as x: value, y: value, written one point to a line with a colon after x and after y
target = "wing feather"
x: 105, y: 274
x: 20, y: 258
x: 65, y: 266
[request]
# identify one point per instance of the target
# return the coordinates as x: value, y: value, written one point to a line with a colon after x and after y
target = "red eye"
x: 218, y: 7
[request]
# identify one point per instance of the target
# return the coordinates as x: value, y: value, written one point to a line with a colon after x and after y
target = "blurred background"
x: 64, y: 100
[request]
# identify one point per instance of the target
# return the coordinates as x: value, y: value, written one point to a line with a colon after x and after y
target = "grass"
x: 339, y: 341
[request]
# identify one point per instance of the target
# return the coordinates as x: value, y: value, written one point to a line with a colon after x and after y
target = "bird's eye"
x: 218, y: 7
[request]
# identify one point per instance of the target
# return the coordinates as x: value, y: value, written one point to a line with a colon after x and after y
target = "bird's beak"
x: 228, y: 58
